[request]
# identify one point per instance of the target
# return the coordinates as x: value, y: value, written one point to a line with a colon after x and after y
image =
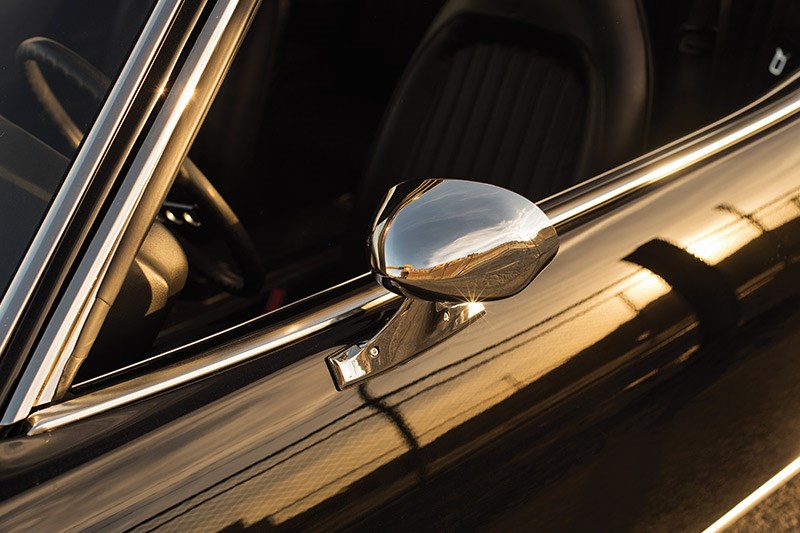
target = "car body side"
x: 645, y: 379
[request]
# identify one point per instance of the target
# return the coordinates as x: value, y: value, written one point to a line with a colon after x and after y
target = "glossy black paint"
x: 647, y: 379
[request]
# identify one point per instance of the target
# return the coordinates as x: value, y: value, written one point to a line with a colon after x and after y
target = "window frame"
x: 84, y: 166
x: 160, y: 97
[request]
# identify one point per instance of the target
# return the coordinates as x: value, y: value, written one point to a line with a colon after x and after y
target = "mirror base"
x: 416, y: 326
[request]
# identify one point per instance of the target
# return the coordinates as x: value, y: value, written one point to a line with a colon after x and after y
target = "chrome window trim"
x: 166, y: 378
x: 39, y: 380
x: 88, y: 159
x: 780, y: 103
x: 563, y: 209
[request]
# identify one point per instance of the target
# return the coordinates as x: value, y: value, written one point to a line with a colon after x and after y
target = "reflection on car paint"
x: 614, y: 390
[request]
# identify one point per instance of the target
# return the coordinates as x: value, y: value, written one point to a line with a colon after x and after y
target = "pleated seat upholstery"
x: 503, y: 113
x: 532, y: 95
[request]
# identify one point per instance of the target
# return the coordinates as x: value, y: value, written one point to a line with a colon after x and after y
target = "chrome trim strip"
x: 582, y: 199
x: 85, y: 165
x: 39, y: 381
x: 696, y: 149
x: 161, y: 380
x: 759, y: 495
x: 384, y: 298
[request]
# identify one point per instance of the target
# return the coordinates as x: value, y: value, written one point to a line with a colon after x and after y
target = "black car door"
x: 645, y: 379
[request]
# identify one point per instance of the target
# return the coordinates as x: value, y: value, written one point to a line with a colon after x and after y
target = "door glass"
x: 46, y: 96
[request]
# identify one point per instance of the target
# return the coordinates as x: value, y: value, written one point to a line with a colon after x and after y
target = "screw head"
x: 374, y: 351
x: 446, y: 316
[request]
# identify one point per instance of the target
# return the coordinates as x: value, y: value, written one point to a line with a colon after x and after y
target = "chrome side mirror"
x: 459, y: 241
x: 446, y: 245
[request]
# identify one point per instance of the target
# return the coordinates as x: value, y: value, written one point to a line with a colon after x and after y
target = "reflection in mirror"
x: 455, y: 240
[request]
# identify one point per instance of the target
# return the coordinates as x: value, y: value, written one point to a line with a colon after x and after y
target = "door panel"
x: 610, y: 393
x: 644, y: 379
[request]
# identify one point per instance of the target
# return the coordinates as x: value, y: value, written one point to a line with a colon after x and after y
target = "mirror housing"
x: 453, y: 240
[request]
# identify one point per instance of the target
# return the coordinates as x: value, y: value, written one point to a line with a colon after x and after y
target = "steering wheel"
x: 37, y: 51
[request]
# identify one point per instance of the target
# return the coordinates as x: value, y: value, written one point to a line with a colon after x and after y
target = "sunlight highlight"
x: 474, y: 308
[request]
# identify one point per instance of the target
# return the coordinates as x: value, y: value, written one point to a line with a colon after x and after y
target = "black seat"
x: 227, y: 147
x: 532, y: 95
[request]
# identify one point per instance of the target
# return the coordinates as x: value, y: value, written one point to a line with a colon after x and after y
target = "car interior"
x: 329, y: 103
